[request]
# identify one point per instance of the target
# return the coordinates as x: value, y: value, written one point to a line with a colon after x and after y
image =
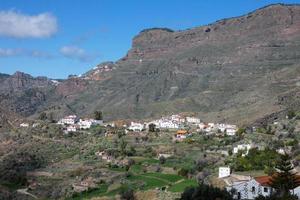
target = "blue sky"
x: 56, y: 38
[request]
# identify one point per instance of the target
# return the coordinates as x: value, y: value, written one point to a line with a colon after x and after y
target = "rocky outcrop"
x: 21, y: 81
x: 23, y: 94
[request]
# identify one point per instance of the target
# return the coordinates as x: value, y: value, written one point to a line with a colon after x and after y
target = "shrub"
x: 205, y: 192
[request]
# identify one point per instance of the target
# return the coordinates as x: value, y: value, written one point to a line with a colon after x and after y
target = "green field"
x: 179, y: 187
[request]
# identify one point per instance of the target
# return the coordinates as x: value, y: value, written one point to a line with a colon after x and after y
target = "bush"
x: 205, y: 192
x: 291, y: 114
x: 183, y: 172
x: 127, y: 194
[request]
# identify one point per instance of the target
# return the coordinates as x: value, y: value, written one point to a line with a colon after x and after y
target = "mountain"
x: 21, y: 93
x: 237, y: 70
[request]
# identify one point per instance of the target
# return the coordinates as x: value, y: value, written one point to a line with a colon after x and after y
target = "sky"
x: 56, y: 38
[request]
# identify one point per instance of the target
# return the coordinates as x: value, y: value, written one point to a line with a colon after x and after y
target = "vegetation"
x: 98, y: 115
x: 205, y: 192
x: 284, y: 179
x: 256, y: 160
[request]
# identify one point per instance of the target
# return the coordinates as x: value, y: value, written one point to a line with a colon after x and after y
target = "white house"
x: 24, y: 125
x: 71, y: 128
x: 136, y: 126
x: 250, y: 189
x: 168, y: 124
x: 192, y: 120
x: 165, y: 155
x: 34, y: 125
x: 86, y: 123
x: 71, y: 119
x: 177, y: 118
x: 230, y: 131
x: 222, y: 127
x: 224, y: 172
x: 242, y: 147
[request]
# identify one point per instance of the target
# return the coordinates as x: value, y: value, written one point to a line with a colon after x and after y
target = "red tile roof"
x: 264, y: 180
x: 267, y: 180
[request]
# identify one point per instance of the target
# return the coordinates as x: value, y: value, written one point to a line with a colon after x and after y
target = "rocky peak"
x: 278, y: 20
x: 20, y: 80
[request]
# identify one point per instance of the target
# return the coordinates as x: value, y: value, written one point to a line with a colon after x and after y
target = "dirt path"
x: 24, y: 191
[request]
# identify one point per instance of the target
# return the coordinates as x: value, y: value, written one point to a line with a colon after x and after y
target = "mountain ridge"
x: 237, y: 69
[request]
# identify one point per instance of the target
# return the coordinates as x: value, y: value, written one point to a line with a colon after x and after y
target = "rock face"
x: 20, y: 81
x: 236, y: 69
x: 21, y: 93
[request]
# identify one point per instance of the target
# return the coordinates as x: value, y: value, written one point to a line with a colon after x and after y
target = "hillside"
x: 238, y: 69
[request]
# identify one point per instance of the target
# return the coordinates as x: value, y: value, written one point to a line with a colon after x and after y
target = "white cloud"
x: 11, y: 52
x: 18, y: 25
x: 75, y: 52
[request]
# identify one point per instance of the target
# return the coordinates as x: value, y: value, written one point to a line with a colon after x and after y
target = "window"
x: 265, y: 189
x: 253, y: 189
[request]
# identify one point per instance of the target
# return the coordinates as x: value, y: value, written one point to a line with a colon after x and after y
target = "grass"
x: 97, y: 192
x: 167, y: 177
x: 136, y: 169
x: 180, y: 187
x: 117, y: 169
x: 148, y: 182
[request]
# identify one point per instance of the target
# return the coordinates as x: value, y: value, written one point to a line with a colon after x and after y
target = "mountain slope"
x: 238, y: 69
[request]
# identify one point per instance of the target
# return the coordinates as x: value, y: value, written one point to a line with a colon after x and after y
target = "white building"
x: 136, y: 126
x: 224, y: 172
x: 87, y: 123
x: 165, y: 155
x: 24, y: 125
x: 192, y: 120
x: 71, y: 119
x: 250, y: 189
x: 34, y: 125
x: 71, y: 128
x: 177, y: 118
x: 230, y: 131
x: 242, y: 147
x: 168, y: 124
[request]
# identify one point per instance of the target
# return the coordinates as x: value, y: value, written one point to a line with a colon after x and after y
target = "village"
x: 183, y: 126
x: 179, y: 147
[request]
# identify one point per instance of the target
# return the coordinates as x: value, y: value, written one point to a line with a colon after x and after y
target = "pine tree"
x: 284, y: 179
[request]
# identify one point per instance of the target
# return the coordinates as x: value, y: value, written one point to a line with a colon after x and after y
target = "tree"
x: 284, y: 179
x: 43, y: 116
x: 162, y: 160
x: 50, y: 117
x: 152, y: 127
x: 98, y: 115
x: 291, y: 114
x: 127, y: 194
x: 241, y: 131
x: 122, y: 146
x: 205, y: 192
